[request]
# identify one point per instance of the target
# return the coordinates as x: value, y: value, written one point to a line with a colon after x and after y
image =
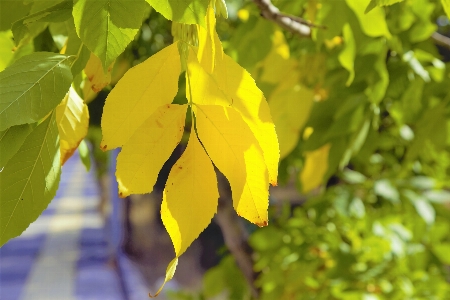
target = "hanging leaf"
x: 106, y: 27
x: 95, y: 74
x: 72, y: 117
x: 348, y: 54
x: 85, y: 157
x: 138, y: 94
x: 231, y: 85
x: 182, y: 11
x: 235, y: 151
x: 191, y: 190
x: 146, y: 151
x: 29, y: 180
x: 372, y: 24
x: 32, y: 86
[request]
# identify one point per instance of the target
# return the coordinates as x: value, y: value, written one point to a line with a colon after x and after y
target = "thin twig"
x: 291, y: 23
x: 441, y: 40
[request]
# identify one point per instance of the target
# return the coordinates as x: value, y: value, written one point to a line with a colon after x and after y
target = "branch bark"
x: 291, y: 23
x: 234, y: 234
x: 441, y: 40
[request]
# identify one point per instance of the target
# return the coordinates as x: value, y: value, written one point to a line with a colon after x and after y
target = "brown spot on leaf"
x: 103, y: 147
x: 262, y: 224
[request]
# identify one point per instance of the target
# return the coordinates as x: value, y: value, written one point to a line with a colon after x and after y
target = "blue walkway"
x: 65, y: 254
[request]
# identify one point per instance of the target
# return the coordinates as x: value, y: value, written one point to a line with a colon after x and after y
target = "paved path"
x: 64, y: 255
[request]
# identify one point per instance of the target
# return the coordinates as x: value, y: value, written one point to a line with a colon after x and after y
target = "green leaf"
x: 11, y: 11
x: 375, y: 3
x: 83, y: 150
x: 10, y: 141
x: 386, y: 189
x: 374, y: 23
x: 423, y: 207
x: 182, y: 11
x: 442, y: 251
x: 106, y: 27
x: 29, y: 180
x: 33, y: 86
x: 6, y: 45
x: 348, y: 54
x: 56, y: 13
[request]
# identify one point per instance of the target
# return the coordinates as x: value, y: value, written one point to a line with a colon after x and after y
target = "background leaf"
x: 182, y: 11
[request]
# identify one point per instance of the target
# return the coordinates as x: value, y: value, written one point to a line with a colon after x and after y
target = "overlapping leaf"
x: 24, y: 84
x: 30, y: 179
x: 138, y: 94
x: 95, y: 73
x: 144, y: 154
x: 72, y: 117
x: 106, y: 27
x: 10, y: 141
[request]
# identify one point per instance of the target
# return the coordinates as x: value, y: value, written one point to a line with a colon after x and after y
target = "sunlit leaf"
x: 72, y: 117
x: 182, y: 11
x: 233, y: 148
x: 138, y: 94
x: 10, y: 141
x: 96, y: 75
x: 373, y: 23
x: 146, y: 151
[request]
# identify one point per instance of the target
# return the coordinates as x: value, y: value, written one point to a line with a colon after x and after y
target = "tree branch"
x: 291, y: 23
x: 441, y: 40
x: 234, y: 234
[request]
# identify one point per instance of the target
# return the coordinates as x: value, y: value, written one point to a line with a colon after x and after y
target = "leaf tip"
x: 263, y: 223
x: 103, y: 146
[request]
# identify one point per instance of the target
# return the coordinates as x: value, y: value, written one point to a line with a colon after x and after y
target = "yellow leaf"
x: 316, y: 166
x: 206, y: 38
x: 138, y: 94
x: 72, y: 118
x: 170, y: 271
x: 233, y: 148
x: 290, y: 107
x: 144, y: 154
x: 190, y: 197
x: 231, y: 85
x: 95, y: 74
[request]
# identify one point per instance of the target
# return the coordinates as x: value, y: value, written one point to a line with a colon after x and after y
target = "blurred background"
x: 362, y: 209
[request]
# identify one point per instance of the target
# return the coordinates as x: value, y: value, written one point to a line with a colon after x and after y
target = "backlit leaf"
x: 11, y: 11
x: 85, y: 157
x: 6, y: 49
x: 233, y: 148
x: 190, y: 197
x: 29, y: 180
x: 72, y: 117
x: 138, y: 94
x: 32, y: 86
x: 231, y: 85
x: 144, y: 154
x: 106, y: 27
x: 446, y: 6
x: 182, y: 11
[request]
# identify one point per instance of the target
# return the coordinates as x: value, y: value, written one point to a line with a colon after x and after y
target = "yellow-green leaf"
x: 72, y: 117
x: 170, y: 271
x: 144, y: 154
x: 206, y: 38
x: 138, y: 94
x: 190, y: 197
x: 277, y: 64
x: 290, y: 106
x: 235, y: 151
x: 232, y: 86
x: 95, y: 73
x: 373, y: 24
x: 446, y: 5
x: 348, y: 54
x: 315, y: 168
x: 182, y: 11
